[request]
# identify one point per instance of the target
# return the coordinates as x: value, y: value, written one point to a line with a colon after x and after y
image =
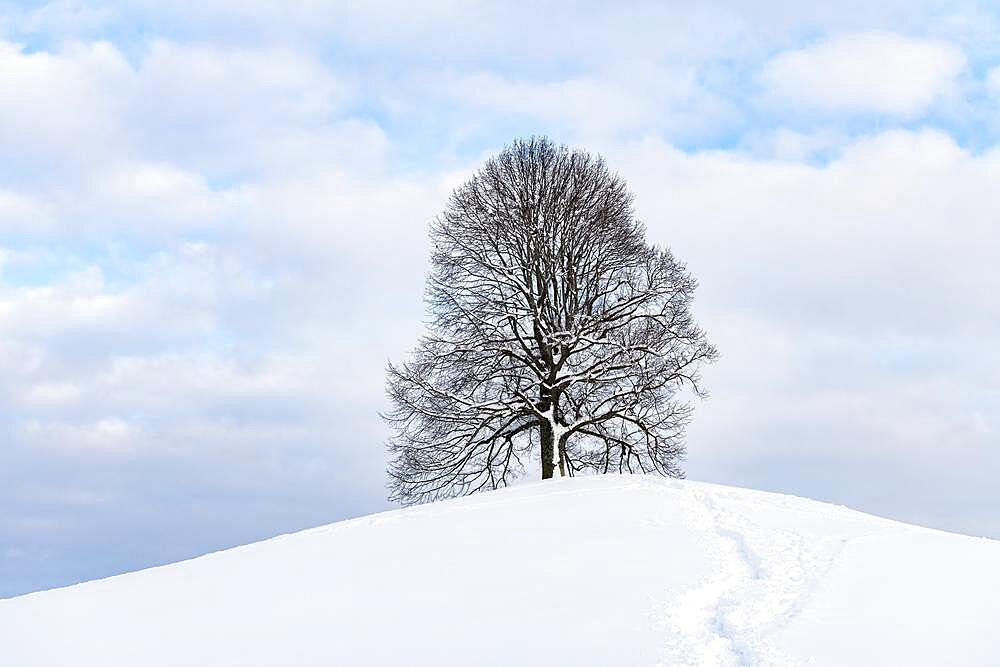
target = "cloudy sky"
x: 212, y: 238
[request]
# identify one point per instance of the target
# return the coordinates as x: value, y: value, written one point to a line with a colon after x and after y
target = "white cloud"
x: 993, y: 81
x: 20, y: 211
x: 852, y: 302
x: 77, y: 304
x: 204, y: 107
x: 67, y: 17
x: 868, y: 72
x: 794, y: 146
x: 64, y: 104
x: 623, y: 97
x: 51, y: 393
x: 238, y: 109
x: 109, y: 434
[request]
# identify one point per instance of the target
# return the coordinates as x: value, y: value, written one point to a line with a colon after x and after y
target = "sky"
x: 213, y: 224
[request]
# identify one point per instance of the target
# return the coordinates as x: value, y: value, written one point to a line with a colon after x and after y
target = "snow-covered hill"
x: 589, y: 571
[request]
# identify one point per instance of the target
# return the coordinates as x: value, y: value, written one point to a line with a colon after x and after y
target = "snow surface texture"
x: 589, y: 571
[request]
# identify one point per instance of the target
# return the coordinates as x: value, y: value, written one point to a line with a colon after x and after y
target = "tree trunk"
x: 562, y: 456
x: 548, y: 450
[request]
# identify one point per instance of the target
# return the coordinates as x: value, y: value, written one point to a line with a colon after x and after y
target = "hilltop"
x: 586, y: 571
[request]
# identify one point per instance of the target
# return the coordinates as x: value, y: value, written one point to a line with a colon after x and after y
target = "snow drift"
x: 588, y: 571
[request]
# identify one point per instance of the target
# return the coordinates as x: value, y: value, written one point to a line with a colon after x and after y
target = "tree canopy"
x: 556, y: 333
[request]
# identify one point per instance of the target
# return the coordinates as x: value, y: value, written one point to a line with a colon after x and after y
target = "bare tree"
x: 555, y: 329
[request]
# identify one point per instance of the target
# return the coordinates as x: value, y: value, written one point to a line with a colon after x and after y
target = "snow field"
x: 586, y: 571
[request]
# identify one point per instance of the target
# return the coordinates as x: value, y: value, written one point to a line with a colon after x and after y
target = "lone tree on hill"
x: 555, y: 329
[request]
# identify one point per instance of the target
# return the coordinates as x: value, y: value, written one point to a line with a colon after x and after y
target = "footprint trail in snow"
x: 761, y: 577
